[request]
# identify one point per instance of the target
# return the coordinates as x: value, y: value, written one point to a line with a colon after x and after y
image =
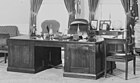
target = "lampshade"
x: 80, y: 24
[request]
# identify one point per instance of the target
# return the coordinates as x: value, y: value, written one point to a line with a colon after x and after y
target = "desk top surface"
x: 28, y: 38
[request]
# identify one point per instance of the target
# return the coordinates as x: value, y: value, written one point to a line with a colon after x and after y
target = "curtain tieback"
x: 34, y: 13
x: 92, y: 13
x: 127, y: 13
x: 70, y: 13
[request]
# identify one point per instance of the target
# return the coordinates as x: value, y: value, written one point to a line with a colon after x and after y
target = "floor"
x: 56, y: 75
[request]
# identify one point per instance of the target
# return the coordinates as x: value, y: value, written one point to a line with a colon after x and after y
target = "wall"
x: 53, y: 9
x: 137, y: 29
x: 139, y: 8
x: 15, y: 12
x: 111, y: 10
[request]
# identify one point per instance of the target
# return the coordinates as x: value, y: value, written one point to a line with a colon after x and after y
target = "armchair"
x: 3, y: 44
x: 126, y: 54
x: 117, y: 55
x: 11, y: 30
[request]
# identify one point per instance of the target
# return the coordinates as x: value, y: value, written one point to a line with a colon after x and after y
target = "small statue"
x: 92, y: 35
x: 33, y: 31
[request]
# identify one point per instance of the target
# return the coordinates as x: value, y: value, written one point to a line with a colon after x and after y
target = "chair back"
x: 112, y: 45
x: 3, y: 39
x: 11, y: 30
x: 50, y: 24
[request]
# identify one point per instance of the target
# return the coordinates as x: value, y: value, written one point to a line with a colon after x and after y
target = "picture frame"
x: 108, y: 22
x: 104, y: 24
x: 94, y: 24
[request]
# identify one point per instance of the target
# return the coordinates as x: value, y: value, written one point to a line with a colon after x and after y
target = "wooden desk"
x: 32, y: 55
x: 84, y: 60
x: 81, y: 59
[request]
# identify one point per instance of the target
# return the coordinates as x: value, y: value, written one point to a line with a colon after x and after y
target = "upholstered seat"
x: 123, y: 55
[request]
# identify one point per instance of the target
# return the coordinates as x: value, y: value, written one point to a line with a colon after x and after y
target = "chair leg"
x: 105, y: 70
x: 5, y: 57
x: 134, y: 65
x: 111, y: 67
x: 126, y: 70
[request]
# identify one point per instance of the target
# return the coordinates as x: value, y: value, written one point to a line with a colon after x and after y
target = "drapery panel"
x: 35, y: 6
x: 135, y: 8
x: 126, y: 6
x: 130, y: 20
x: 92, y: 8
x: 70, y: 6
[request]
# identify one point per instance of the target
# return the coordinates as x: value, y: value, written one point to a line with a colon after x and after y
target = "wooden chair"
x: 116, y: 55
x: 55, y: 52
x: 3, y: 44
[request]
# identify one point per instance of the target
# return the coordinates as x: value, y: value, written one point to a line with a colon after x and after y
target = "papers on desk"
x: 61, y: 37
x: 83, y: 40
x: 108, y: 36
x: 112, y: 36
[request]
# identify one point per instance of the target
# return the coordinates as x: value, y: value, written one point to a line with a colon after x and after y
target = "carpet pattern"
x: 56, y: 75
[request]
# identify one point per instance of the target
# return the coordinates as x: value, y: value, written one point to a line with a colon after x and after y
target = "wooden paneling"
x: 84, y: 60
x: 79, y: 58
x: 21, y: 55
x: 32, y: 56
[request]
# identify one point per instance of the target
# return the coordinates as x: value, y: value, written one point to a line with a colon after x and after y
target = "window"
x: 111, y: 10
x: 53, y: 9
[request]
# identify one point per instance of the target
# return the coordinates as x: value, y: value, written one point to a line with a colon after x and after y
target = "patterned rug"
x: 56, y: 75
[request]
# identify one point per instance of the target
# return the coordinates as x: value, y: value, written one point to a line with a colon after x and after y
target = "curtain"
x: 135, y: 8
x: 70, y: 6
x: 35, y: 6
x: 92, y: 8
x: 126, y: 6
x: 130, y: 20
